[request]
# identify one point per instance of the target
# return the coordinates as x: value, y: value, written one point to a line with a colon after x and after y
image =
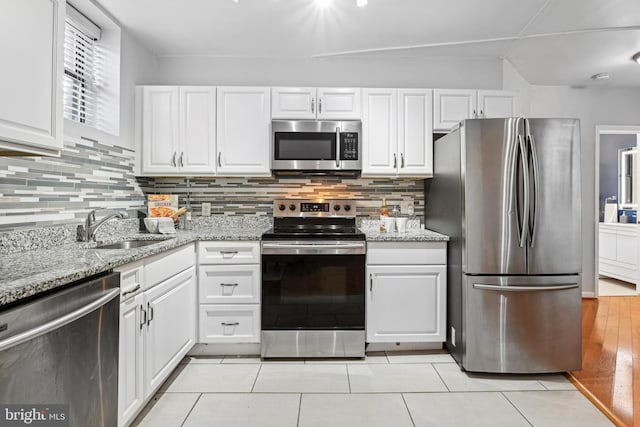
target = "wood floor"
x: 611, y: 356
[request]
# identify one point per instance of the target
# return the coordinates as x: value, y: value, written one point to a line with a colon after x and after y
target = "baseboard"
x: 588, y: 294
x: 225, y: 350
x: 404, y: 346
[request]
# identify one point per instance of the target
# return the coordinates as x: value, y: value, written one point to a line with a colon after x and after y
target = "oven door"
x: 313, y: 285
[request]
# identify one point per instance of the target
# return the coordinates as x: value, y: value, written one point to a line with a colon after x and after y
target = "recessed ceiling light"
x: 362, y: 3
x: 600, y: 76
x: 323, y: 3
x: 636, y: 57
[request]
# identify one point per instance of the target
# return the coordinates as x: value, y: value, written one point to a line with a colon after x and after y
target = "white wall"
x: 479, y: 73
x: 593, y: 106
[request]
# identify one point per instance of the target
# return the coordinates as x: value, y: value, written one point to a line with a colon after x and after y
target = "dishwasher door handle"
x: 59, y: 322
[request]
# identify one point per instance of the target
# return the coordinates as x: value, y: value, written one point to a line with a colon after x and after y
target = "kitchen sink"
x: 129, y: 244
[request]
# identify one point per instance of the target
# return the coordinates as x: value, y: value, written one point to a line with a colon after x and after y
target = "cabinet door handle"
x: 229, y: 284
x: 401, y: 160
x: 173, y: 159
x: 231, y: 254
x: 371, y: 284
x: 180, y: 159
x: 395, y: 160
x: 319, y: 105
x: 219, y: 158
x: 229, y: 323
x: 482, y: 114
x: 150, y: 310
x: 313, y: 105
x: 475, y: 115
x: 143, y: 313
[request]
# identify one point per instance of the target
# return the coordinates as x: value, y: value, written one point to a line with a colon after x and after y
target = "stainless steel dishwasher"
x: 62, y: 349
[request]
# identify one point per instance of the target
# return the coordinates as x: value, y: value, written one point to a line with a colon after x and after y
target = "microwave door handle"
x: 338, y: 147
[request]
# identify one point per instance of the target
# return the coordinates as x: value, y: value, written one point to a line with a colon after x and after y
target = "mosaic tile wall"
x: 42, y: 191
x: 248, y: 196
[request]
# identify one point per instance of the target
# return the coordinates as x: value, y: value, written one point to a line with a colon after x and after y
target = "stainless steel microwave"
x: 316, y: 147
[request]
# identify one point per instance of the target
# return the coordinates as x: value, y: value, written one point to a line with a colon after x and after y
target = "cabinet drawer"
x: 229, y: 252
x: 406, y: 253
x: 229, y: 323
x: 222, y: 284
x: 165, y: 265
x: 131, y: 279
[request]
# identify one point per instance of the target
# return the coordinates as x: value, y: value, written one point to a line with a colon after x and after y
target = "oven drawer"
x: 406, y: 253
x: 229, y: 323
x: 229, y: 252
x: 222, y: 284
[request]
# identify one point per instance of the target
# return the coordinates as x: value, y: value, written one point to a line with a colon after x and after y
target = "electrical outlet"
x: 405, y: 206
x: 453, y: 336
x: 206, y: 209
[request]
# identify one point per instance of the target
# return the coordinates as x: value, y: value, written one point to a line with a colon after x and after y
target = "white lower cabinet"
x: 171, y: 328
x: 157, y: 325
x: 230, y: 323
x: 229, y: 292
x: 406, y: 292
x: 618, y: 251
x: 130, y: 375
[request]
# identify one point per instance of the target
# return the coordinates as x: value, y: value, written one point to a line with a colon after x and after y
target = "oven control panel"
x: 314, y: 208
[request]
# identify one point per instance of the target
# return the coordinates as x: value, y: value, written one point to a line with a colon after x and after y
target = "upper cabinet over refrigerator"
x: 315, y: 103
x: 451, y: 106
x: 31, y: 46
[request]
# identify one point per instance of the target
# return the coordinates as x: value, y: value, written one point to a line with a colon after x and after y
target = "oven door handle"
x: 313, y: 248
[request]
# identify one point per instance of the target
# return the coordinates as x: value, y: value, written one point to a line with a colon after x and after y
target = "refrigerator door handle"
x: 524, y: 288
x: 523, y: 229
x: 536, y: 187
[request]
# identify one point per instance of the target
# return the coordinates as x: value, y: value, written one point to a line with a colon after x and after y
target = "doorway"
x: 617, y: 193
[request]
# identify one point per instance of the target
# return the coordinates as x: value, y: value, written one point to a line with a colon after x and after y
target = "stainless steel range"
x: 313, y: 281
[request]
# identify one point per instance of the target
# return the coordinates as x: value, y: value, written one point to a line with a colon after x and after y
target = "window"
x: 83, y: 66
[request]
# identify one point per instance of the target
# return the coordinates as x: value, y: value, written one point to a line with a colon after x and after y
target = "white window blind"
x: 83, y: 70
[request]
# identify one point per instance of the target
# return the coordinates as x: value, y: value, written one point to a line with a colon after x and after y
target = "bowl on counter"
x: 159, y: 225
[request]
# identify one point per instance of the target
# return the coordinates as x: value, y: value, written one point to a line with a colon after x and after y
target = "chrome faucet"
x: 91, y: 225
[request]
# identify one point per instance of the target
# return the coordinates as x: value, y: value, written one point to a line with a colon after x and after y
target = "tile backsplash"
x: 42, y: 191
x: 254, y: 196
x: 46, y: 191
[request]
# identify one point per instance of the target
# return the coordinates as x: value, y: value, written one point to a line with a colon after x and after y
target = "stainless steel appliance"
x: 62, y: 349
x: 507, y: 191
x: 316, y: 147
x: 313, y: 268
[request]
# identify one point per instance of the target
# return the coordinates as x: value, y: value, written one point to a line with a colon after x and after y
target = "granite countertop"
x: 411, y: 235
x: 47, y: 264
x: 27, y: 273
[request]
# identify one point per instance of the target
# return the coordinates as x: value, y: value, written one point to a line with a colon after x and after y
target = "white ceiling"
x: 548, y: 41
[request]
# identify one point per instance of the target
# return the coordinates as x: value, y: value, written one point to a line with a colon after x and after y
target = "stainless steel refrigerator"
x: 507, y: 192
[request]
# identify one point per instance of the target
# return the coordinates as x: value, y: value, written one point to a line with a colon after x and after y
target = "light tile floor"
x: 385, y: 389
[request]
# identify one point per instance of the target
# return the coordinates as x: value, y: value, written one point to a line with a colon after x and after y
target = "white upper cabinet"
x: 379, y: 132
x: 315, y: 103
x: 397, y: 132
x: 160, y: 129
x: 497, y: 103
x: 31, y: 45
x: 244, y: 131
x: 197, y: 130
x: 293, y: 103
x: 178, y: 130
x: 451, y: 106
x: 415, y: 132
